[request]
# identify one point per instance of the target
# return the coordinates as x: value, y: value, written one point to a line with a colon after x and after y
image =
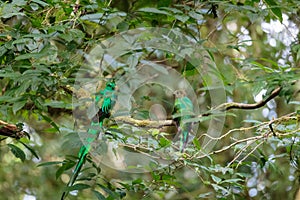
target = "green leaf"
x: 274, y: 8
x: 99, y: 195
x: 50, y: 163
x: 219, y: 188
x: 295, y: 102
x: 195, y: 15
x: 132, y: 61
x: 252, y: 121
x: 153, y: 10
x: 182, y: 18
x: 173, y: 10
x: 17, y: 152
x: 50, y: 121
x: 60, y: 171
x: 205, y: 195
x: 107, y: 190
x: 260, y: 66
x: 233, y: 180
x: 67, y: 164
x: 18, y: 105
x: 56, y: 104
x: 5, y: 98
x: 92, y: 17
x: 216, y: 179
x: 43, y: 4
x: 22, y: 41
x: 9, y: 15
x: 45, y: 52
x: 137, y: 181
x: 196, y: 143
x: 79, y: 186
x: 30, y: 149
x: 23, y: 87
x: 163, y: 142
x: 8, y: 74
x: 273, y: 63
x: 3, y: 50
x: 39, y: 103
x: 29, y: 55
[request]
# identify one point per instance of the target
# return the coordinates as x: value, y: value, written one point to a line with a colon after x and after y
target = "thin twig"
x: 254, y: 149
x: 234, y: 105
x: 240, y: 152
x: 231, y: 145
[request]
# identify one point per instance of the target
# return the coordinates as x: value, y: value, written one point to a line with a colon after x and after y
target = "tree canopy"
x: 236, y: 61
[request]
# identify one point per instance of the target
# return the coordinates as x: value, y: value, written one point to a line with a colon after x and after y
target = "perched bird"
x: 106, y: 99
x: 183, y: 110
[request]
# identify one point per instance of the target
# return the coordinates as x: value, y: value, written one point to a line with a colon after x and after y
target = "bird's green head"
x: 111, y: 85
x: 179, y: 93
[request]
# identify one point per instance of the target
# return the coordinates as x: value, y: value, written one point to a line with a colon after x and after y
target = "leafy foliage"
x: 44, y: 44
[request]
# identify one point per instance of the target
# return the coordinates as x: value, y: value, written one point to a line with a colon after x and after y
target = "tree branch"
x: 144, y: 123
x: 234, y: 105
x: 222, y: 107
x: 10, y: 130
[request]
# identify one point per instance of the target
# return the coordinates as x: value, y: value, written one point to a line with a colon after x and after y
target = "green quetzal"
x: 106, y: 99
x: 183, y: 110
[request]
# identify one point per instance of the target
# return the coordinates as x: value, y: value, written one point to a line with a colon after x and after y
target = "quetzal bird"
x: 183, y: 110
x: 105, y: 100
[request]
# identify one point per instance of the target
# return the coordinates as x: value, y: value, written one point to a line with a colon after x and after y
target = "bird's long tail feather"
x: 184, y: 140
x: 77, y: 169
